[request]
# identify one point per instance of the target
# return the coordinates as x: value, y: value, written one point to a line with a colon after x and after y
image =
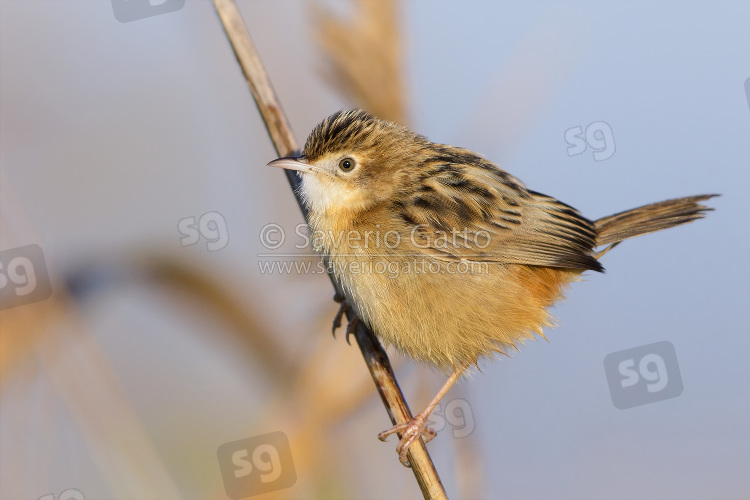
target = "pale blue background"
x: 110, y: 133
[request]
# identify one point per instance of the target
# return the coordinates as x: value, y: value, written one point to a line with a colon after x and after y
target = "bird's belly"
x: 450, y: 313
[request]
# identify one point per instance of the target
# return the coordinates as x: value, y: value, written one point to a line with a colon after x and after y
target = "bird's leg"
x: 415, y: 427
x: 352, y: 326
x: 340, y: 314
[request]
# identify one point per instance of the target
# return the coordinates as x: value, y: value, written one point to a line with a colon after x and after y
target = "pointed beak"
x: 295, y: 163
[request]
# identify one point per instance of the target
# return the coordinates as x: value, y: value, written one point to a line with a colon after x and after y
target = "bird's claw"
x: 352, y: 326
x: 409, y: 431
x: 340, y: 314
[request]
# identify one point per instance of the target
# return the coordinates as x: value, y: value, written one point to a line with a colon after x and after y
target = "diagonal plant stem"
x: 283, y: 140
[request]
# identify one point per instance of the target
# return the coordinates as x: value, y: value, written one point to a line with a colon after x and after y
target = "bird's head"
x: 353, y: 161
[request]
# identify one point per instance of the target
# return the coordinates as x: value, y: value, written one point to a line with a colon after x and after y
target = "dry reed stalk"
x: 49, y: 341
x: 285, y: 145
x: 364, y: 56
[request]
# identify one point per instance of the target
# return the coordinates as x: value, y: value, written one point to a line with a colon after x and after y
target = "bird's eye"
x: 347, y: 164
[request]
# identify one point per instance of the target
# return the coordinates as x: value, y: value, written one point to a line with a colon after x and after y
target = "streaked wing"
x: 465, y: 208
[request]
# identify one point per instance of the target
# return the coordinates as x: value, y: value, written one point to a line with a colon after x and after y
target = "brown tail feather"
x: 650, y: 218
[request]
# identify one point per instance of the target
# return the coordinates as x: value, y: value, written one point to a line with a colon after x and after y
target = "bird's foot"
x: 409, y: 431
x: 340, y: 299
x: 352, y: 326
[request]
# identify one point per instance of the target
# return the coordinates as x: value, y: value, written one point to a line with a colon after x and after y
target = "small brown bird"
x: 443, y: 254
